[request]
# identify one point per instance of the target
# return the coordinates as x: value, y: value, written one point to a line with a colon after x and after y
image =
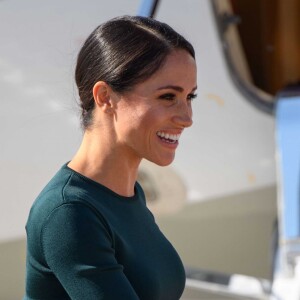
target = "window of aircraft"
x: 262, y: 42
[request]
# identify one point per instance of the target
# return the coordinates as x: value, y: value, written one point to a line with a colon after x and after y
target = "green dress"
x: 86, y: 242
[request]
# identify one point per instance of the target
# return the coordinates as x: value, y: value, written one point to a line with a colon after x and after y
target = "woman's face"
x: 152, y: 116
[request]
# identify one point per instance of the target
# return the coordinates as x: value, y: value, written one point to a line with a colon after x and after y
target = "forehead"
x: 178, y: 56
x: 179, y: 68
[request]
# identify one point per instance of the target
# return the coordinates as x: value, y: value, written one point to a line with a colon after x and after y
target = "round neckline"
x: 103, y: 187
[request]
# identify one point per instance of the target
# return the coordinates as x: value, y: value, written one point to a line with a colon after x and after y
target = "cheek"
x: 145, y: 116
x: 141, y: 118
x: 132, y: 124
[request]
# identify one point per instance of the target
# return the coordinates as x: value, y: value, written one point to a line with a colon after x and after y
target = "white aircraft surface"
x: 216, y: 203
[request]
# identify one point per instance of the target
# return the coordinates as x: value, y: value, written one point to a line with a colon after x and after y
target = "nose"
x: 183, y: 116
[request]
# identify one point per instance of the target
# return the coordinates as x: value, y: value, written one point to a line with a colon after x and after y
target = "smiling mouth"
x: 167, y: 137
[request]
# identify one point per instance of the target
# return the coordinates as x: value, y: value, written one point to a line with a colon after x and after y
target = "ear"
x: 102, y: 95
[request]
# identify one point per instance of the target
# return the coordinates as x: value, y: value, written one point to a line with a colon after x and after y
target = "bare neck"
x: 100, y: 159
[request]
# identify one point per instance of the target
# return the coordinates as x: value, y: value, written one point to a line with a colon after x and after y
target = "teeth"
x: 172, y: 137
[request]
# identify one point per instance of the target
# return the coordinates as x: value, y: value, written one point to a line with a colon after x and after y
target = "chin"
x: 162, y: 162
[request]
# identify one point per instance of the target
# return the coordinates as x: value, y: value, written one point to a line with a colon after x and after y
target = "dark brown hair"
x: 123, y: 52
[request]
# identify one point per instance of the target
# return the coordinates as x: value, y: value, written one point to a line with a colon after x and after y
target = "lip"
x: 166, y: 144
x: 171, y: 131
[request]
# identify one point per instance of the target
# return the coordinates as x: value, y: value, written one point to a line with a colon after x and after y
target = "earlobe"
x: 102, y: 96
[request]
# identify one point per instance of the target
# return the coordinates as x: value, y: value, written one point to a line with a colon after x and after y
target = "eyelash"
x: 170, y: 96
x: 193, y: 96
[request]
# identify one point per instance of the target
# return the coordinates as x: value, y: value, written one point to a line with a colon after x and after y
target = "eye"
x: 167, y: 96
x: 192, y: 97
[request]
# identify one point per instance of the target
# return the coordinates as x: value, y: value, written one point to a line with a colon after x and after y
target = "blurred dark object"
x: 270, y: 34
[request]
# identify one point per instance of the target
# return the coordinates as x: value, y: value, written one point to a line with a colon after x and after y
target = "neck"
x: 101, y: 160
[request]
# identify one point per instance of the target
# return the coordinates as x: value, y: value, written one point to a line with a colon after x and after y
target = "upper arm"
x: 78, y: 248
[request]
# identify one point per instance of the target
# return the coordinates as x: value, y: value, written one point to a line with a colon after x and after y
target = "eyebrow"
x: 175, y: 87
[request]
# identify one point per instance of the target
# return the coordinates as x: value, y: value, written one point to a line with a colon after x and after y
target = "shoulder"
x: 52, y: 195
x: 64, y: 193
x: 77, y: 218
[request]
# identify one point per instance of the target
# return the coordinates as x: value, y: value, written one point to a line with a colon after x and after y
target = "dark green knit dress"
x: 86, y: 242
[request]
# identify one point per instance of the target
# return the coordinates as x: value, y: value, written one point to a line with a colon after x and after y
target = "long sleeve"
x: 85, y: 242
x: 78, y: 248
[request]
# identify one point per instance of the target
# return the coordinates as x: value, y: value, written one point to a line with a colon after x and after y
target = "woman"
x: 90, y: 234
